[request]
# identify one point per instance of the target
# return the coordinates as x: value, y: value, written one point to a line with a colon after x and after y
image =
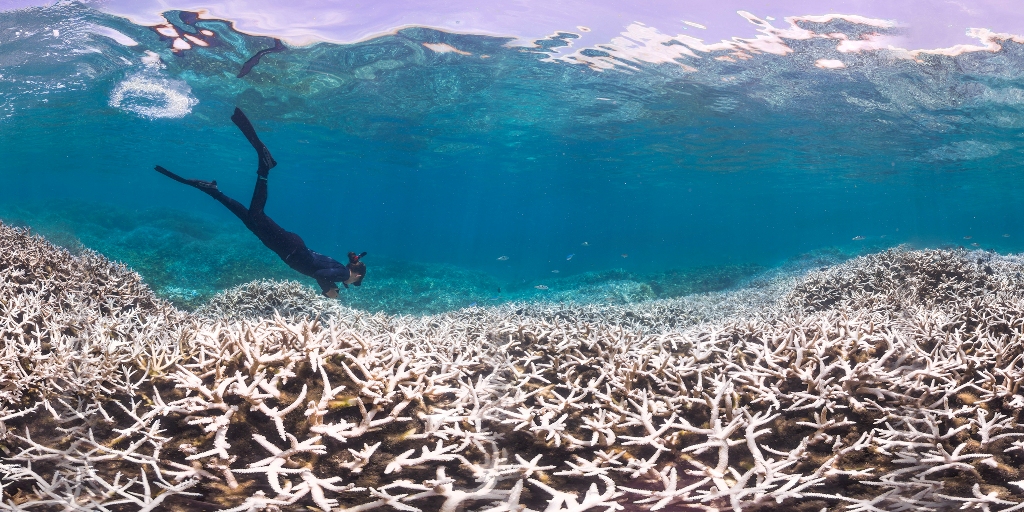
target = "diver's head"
x: 356, y: 269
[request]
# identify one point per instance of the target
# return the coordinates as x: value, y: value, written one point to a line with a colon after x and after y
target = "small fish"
x: 499, y: 289
x: 554, y: 271
x: 975, y: 244
x: 858, y: 237
x: 883, y: 236
x: 541, y: 287
x: 569, y: 257
x: 472, y: 304
x: 1006, y: 235
x: 584, y: 244
x: 502, y: 258
x: 968, y: 237
x: 624, y: 255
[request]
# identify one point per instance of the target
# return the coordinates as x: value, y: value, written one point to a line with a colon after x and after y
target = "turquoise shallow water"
x: 438, y: 163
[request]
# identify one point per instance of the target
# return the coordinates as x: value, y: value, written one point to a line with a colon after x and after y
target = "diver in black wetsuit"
x: 287, y: 245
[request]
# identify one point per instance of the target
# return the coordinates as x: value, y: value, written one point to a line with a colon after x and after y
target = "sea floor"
x: 882, y: 382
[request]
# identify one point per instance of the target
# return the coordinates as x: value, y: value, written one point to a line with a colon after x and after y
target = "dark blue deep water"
x: 438, y: 164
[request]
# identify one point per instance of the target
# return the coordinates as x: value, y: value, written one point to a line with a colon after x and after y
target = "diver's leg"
x: 210, y: 188
x: 200, y: 184
x: 266, y: 162
x: 259, y: 197
x: 286, y: 244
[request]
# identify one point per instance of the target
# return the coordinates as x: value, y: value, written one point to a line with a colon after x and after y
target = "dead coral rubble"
x: 846, y: 406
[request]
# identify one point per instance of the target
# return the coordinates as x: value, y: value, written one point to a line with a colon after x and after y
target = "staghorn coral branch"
x: 887, y: 375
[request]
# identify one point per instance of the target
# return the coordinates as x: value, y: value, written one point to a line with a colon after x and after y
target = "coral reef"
x: 900, y: 279
x: 266, y: 298
x: 891, y: 381
x: 61, y: 313
x: 184, y: 258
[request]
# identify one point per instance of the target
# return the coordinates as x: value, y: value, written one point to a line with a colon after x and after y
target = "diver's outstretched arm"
x: 266, y: 161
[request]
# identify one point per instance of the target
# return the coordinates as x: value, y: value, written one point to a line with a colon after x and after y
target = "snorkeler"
x: 289, y: 246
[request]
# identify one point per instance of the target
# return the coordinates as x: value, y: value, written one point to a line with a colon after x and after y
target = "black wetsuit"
x: 289, y: 246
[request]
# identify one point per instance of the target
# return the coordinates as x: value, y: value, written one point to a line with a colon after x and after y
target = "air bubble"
x: 153, y: 98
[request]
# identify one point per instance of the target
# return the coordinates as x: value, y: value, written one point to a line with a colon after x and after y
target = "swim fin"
x: 267, y: 161
x: 200, y: 184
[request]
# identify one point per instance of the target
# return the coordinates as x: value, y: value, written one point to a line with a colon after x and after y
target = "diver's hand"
x: 352, y: 277
x: 332, y: 293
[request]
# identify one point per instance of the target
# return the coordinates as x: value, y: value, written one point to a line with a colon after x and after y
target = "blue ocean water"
x: 439, y: 163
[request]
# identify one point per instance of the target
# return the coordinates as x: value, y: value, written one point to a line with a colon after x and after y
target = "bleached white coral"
x: 826, y: 396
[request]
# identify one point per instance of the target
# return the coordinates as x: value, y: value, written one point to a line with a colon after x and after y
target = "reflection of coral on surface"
x: 180, y: 39
x: 126, y: 403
